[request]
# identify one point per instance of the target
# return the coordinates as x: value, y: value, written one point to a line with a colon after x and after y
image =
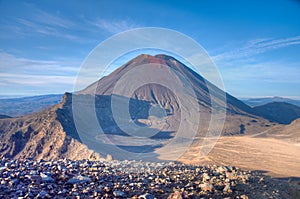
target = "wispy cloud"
x: 272, y: 72
x: 245, y: 72
x: 48, y: 24
x: 10, y: 79
x: 42, y: 23
x: 114, y: 26
x: 46, y: 75
x: 46, y: 18
x: 256, y: 46
x: 53, y: 25
x: 18, y: 72
x: 45, y: 29
x: 19, y: 65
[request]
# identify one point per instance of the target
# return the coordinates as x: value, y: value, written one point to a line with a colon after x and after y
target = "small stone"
x: 118, y: 193
x: 2, y: 168
x: 106, y: 189
x: 62, y: 192
x: 85, y: 191
x: 36, y: 179
x: 62, y: 177
x: 146, y: 196
x: 175, y: 195
x: 265, y: 186
x: 221, y: 169
x: 79, y: 179
x: 13, y: 182
x: 29, y: 195
x: 261, y: 179
x: 205, y: 177
x: 46, y: 178
x: 19, y: 193
x: 93, y: 169
x: 244, y: 197
x: 227, y: 189
x: 109, y: 157
x: 206, y: 187
x: 42, y: 194
x: 95, y: 194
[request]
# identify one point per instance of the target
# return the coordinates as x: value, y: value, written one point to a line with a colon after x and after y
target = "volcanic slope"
x: 241, y: 118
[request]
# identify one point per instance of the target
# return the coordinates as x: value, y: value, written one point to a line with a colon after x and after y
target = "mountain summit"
x: 202, y: 87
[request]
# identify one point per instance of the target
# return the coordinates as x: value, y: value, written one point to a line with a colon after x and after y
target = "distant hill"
x: 26, y: 105
x: 280, y: 112
x: 262, y: 101
x: 11, y: 96
x: 4, y: 116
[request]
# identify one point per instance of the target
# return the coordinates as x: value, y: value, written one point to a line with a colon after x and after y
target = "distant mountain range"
x: 19, y: 106
x: 280, y: 112
x: 26, y: 105
x: 265, y: 100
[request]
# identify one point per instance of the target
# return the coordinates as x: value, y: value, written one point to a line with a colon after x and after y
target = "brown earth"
x: 278, y: 158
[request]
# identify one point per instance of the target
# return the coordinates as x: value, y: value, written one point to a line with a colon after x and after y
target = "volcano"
x: 156, y: 113
x: 200, y: 85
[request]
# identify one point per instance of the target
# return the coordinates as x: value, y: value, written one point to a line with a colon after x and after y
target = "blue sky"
x: 255, y: 44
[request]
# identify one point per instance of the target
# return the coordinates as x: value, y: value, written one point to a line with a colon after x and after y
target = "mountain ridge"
x: 281, y: 112
x: 265, y: 100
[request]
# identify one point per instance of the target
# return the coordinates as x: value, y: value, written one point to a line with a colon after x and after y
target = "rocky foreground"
x: 133, y: 179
